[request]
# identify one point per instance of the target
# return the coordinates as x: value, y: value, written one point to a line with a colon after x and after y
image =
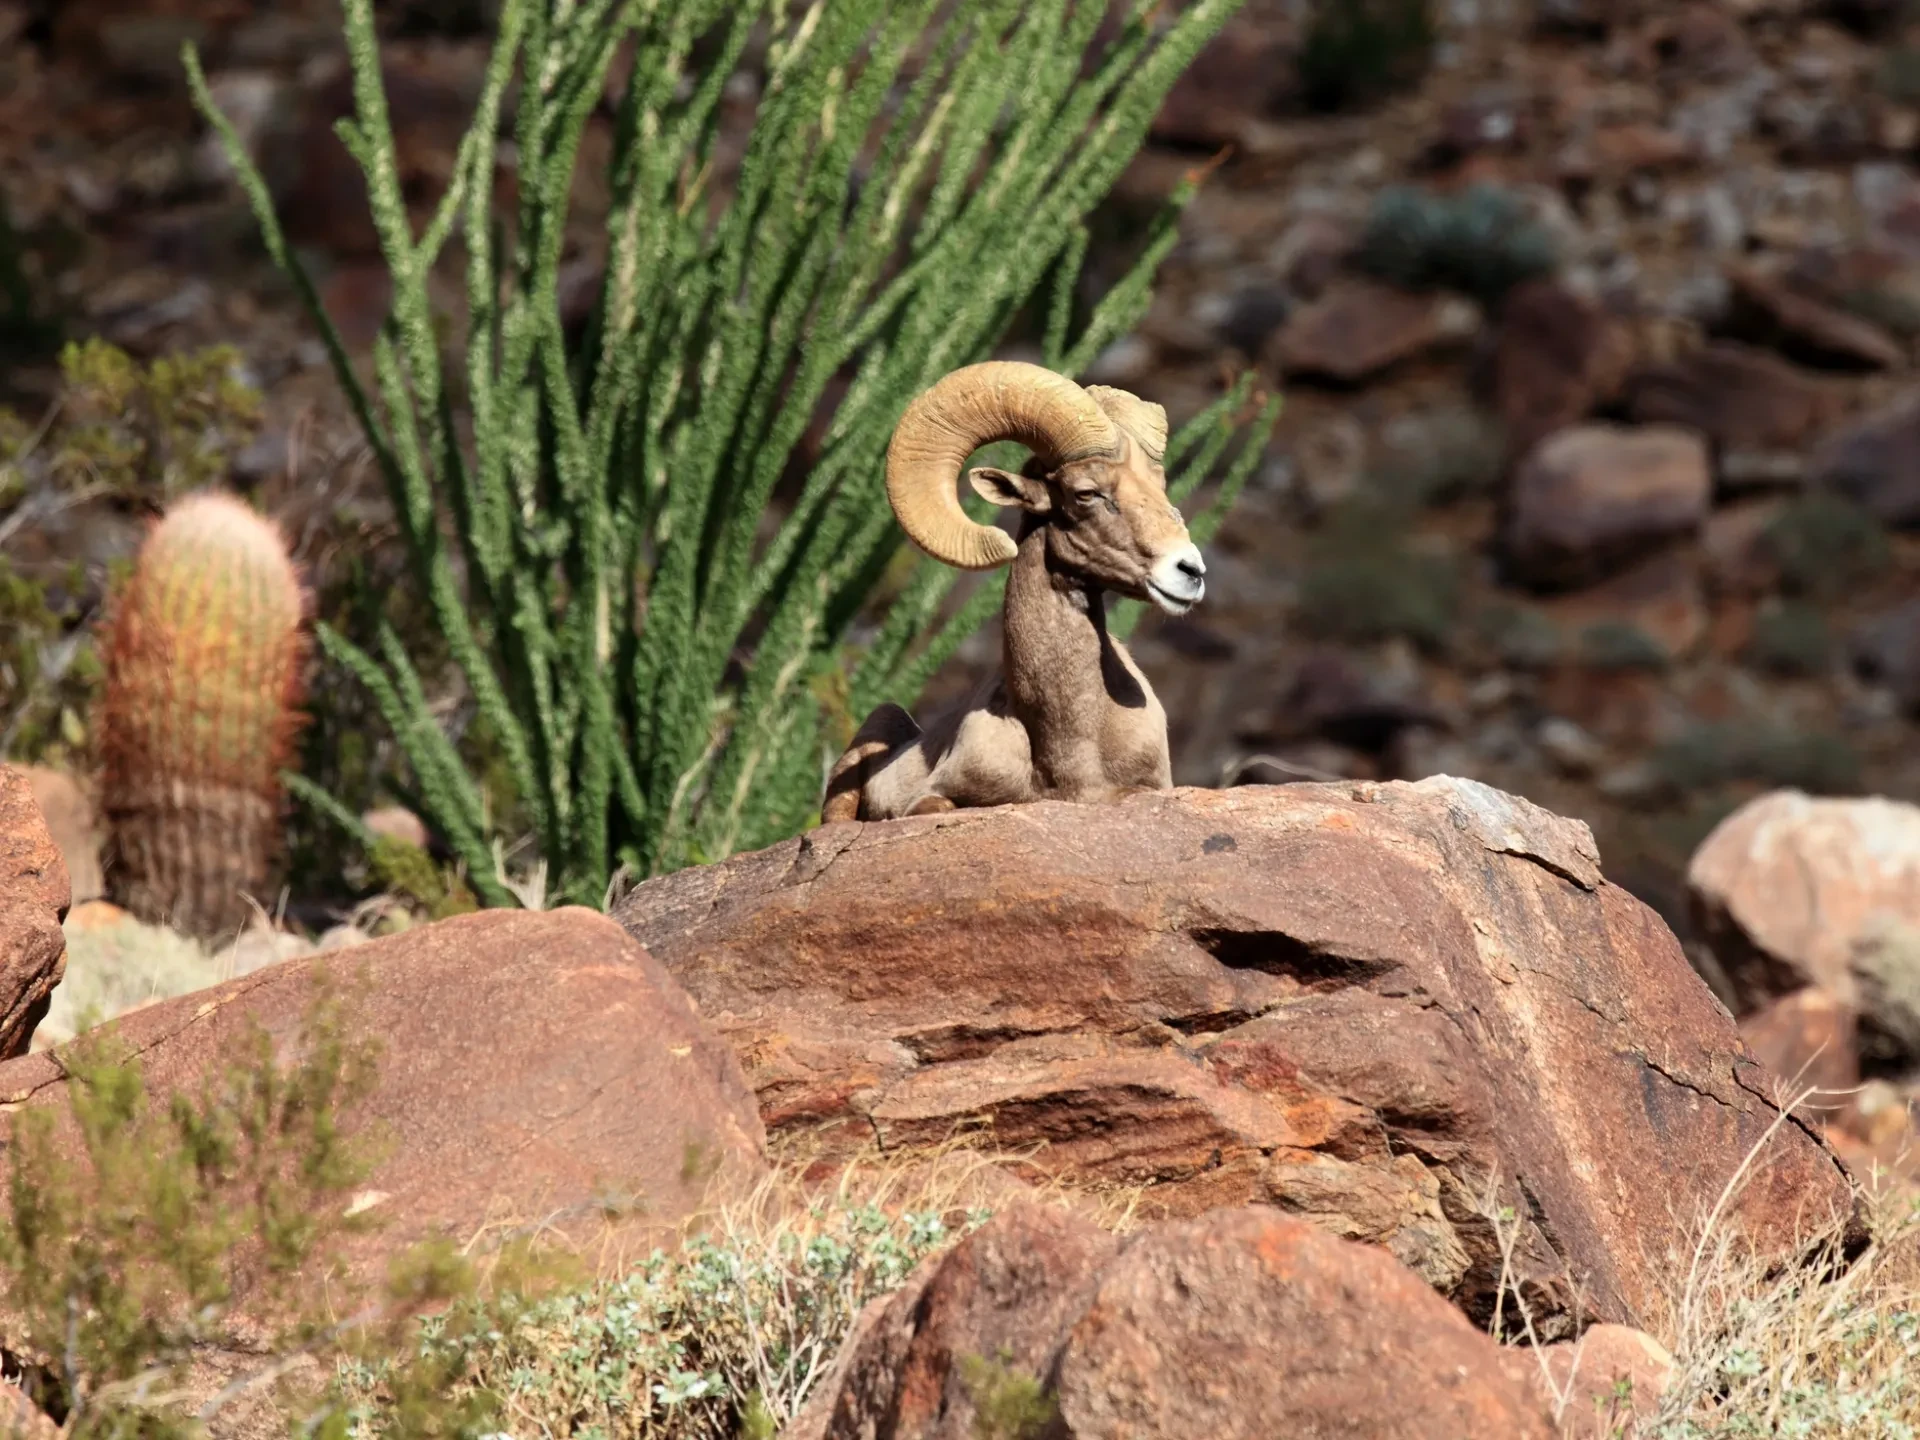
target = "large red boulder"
x: 1374, y: 1006
x: 34, y: 896
x: 529, y: 1066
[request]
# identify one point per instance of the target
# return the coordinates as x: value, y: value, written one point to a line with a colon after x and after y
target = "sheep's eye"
x: 1086, y: 497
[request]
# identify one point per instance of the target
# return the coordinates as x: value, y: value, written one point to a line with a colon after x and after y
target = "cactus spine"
x: 204, y: 670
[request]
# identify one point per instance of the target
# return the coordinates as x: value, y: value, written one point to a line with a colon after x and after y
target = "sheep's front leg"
x: 1078, y: 773
x: 887, y: 729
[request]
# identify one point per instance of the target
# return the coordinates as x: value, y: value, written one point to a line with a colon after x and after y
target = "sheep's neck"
x: 1062, y: 672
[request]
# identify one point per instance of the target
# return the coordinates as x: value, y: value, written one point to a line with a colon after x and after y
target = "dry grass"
x: 1825, y: 1349
x: 1828, y: 1348
x: 731, y: 1333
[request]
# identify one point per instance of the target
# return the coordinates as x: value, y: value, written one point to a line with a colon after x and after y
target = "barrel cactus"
x: 205, y: 655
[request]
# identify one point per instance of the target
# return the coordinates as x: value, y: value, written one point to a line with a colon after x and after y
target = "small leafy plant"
x: 727, y: 1337
x: 133, y: 1229
x: 1480, y: 241
x: 1356, y: 51
x: 1825, y: 546
x: 1368, y: 581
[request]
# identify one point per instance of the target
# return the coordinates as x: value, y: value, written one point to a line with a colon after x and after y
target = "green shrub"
x: 1825, y: 546
x: 27, y: 331
x: 130, y: 1232
x: 1009, y: 1403
x: 597, y: 562
x: 409, y: 872
x: 727, y: 1337
x: 1711, y: 755
x: 1440, y: 457
x: 1520, y: 636
x: 1899, y: 74
x: 1621, y: 645
x: 1480, y: 241
x: 1791, y: 638
x: 1367, y: 581
x: 1356, y: 51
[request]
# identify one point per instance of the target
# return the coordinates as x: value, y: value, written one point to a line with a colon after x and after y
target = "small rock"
x: 1126, y: 362
x: 1610, y: 1378
x: 1569, y: 747
x: 1878, y: 282
x: 1875, y: 461
x: 1309, y: 253
x: 396, y: 822
x: 92, y: 915
x: 131, y: 46
x: 1359, y: 328
x: 1329, y: 697
x: 1488, y: 122
x: 1786, y: 887
x: 256, y: 102
x: 1007, y: 1293
x: 1886, y: 651
x: 1621, y: 150
x: 1557, y: 355
x: 1886, y: 962
x: 1807, y: 1039
x: 34, y: 898
x: 1592, y: 496
x: 1806, y: 330
x: 358, y: 298
x: 1252, y: 316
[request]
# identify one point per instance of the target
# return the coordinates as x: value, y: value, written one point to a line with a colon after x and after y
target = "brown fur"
x: 1069, y: 716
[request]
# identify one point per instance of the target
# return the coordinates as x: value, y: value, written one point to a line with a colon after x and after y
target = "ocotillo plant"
x: 204, y: 658
x: 645, y: 652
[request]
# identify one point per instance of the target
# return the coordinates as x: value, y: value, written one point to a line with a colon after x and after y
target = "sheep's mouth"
x: 1172, y: 603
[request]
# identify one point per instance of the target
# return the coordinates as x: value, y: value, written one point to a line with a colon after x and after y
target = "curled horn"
x: 1142, y: 419
x: 975, y: 406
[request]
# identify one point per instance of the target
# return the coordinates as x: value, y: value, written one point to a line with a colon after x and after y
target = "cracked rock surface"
x: 530, y: 1065
x: 1371, y: 1005
x: 34, y: 896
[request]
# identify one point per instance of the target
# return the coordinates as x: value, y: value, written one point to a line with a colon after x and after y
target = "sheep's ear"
x: 1003, y: 487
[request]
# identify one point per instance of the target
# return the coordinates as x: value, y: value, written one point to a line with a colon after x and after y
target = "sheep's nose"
x: 1179, y: 580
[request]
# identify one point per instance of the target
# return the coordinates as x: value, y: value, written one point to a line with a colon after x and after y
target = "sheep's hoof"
x: 840, y: 808
x: 931, y: 805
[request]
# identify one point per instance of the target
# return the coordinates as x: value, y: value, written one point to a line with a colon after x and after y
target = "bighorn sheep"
x: 1069, y: 716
